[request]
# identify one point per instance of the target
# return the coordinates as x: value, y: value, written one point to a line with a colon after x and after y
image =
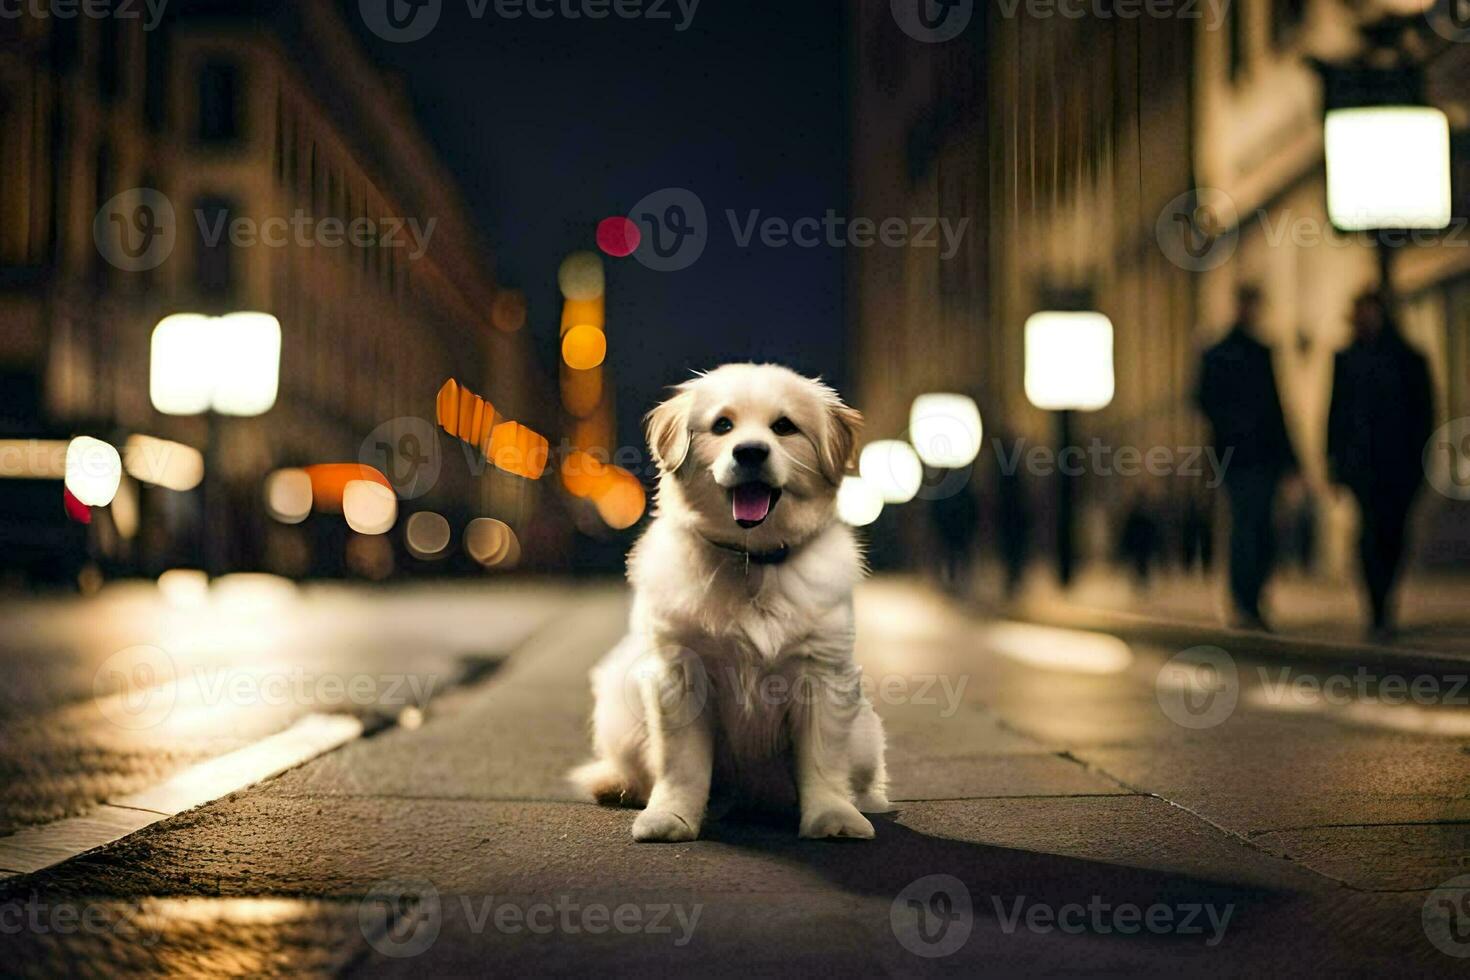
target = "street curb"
x: 1271, y: 646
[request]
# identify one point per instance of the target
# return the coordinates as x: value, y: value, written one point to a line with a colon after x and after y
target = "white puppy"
x: 737, y: 675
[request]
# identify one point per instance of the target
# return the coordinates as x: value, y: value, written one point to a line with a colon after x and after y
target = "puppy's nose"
x: 751, y: 454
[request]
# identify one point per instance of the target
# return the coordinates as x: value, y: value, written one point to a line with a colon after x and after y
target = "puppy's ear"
x: 839, y: 440
x: 668, y: 431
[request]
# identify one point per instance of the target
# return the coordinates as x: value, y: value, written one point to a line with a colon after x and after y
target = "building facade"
x: 1057, y: 139
x: 244, y: 156
x: 1148, y: 165
x: 1259, y: 151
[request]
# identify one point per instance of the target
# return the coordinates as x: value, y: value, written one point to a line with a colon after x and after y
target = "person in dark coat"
x: 1382, y: 414
x: 1238, y: 395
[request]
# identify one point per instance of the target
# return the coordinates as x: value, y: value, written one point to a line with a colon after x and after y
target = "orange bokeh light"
x: 622, y: 502
x: 584, y: 348
x: 581, y: 391
x: 518, y: 450
x: 329, y: 482
x: 508, y: 310
x: 584, y: 313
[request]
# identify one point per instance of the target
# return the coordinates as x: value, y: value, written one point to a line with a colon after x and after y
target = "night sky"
x: 551, y: 125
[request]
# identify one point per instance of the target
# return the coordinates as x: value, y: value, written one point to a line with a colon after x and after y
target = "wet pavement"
x: 1068, y: 802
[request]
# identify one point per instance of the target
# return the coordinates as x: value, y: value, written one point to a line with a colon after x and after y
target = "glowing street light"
x: 858, y: 502
x: 213, y: 366
x: 93, y: 471
x: 1069, y: 361
x: 1069, y: 368
x: 945, y: 430
x: 1387, y: 150
x: 229, y: 364
x: 1388, y: 167
x: 892, y: 468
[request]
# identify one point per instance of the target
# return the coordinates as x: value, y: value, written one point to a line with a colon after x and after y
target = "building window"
x: 219, y: 102
x: 214, y: 258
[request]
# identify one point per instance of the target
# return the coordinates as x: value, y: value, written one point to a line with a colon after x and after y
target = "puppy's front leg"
x: 822, y: 724
x: 680, y: 750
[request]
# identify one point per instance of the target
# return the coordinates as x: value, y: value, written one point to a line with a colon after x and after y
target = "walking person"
x: 1238, y: 395
x: 1382, y: 414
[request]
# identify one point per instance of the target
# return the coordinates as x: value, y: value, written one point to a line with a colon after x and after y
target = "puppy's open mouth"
x: 751, y: 503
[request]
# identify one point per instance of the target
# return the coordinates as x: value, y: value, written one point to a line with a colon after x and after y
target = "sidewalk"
x: 439, y: 850
x: 1308, y: 615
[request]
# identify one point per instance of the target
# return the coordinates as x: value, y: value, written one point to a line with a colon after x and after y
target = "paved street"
x: 1068, y: 802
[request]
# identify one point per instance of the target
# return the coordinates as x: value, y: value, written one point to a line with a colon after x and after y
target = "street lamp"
x: 1069, y: 368
x: 213, y: 366
x: 1387, y: 150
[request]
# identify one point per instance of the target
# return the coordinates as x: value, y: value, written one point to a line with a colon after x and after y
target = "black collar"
x: 775, y: 557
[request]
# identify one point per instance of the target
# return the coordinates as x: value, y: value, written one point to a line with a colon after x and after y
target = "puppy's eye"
x: 784, y: 427
x: 722, y: 426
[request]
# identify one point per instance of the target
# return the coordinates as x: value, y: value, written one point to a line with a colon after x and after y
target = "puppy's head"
x: 751, y: 454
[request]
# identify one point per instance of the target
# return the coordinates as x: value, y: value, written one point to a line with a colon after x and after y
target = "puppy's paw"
x: 835, y: 818
x: 663, y: 826
x: 871, y: 802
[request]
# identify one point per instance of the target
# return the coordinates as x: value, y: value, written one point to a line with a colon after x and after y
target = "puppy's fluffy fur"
x: 737, y: 678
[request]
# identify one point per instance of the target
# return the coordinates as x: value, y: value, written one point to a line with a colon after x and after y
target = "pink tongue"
x: 751, y: 502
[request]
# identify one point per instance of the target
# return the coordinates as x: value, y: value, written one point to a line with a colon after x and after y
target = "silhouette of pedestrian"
x: 1381, y: 416
x: 1238, y: 395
